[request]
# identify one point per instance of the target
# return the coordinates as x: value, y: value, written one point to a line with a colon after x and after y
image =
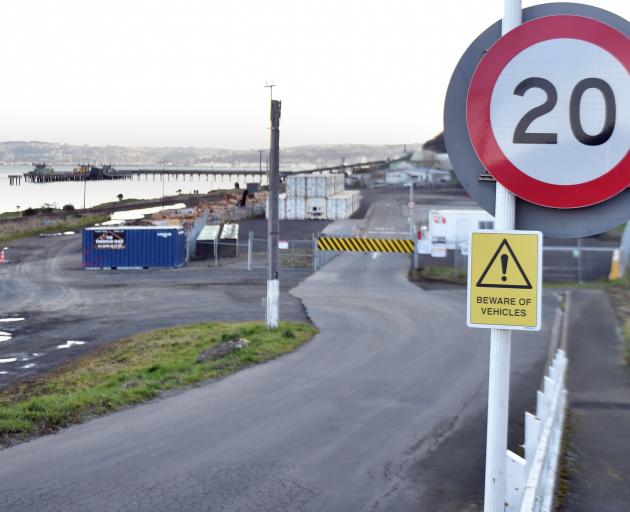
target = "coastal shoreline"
x: 16, y: 225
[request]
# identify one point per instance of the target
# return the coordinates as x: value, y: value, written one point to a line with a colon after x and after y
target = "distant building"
x: 420, y: 169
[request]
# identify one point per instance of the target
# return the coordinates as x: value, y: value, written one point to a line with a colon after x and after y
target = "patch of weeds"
x: 438, y: 274
x: 626, y: 334
x: 566, y: 457
x: 619, y: 293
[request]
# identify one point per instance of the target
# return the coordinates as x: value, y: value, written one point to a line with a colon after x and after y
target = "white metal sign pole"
x: 500, y: 341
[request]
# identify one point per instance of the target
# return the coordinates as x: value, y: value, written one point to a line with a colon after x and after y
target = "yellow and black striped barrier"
x: 326, y: 243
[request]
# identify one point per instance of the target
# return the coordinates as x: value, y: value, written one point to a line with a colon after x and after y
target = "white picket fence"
x: 530, y: 481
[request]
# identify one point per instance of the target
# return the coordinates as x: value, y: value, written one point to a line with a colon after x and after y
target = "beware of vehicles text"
x: 505, y: 279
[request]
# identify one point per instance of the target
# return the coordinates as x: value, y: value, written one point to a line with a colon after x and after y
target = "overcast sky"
x: 191, y: 72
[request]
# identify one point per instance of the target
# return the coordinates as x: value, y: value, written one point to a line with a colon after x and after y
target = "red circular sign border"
x: 480, y: 126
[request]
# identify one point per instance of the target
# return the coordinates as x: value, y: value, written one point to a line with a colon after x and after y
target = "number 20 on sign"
x: 548, y: 111
x: 505, y: 280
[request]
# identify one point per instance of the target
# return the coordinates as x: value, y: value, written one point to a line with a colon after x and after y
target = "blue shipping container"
x: 134, y: 247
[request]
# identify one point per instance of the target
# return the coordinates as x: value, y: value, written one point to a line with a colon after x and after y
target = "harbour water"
x: 35, y: 195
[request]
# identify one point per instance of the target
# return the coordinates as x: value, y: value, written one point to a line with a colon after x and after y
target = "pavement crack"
x: 395, y: 472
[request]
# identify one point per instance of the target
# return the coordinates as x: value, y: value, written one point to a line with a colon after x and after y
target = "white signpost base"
x: 273, y: 298
x: 496, y: 437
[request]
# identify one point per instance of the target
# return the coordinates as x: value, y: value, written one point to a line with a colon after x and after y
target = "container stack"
x: 317, y: 196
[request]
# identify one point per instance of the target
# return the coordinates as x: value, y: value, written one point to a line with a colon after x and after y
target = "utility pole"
x: 270, y: 86
x: 260, y: 151
x: 500, y: 342
x: 273, y: 225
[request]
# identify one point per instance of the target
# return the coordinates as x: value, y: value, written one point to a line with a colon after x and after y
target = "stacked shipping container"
x: 320, y: 196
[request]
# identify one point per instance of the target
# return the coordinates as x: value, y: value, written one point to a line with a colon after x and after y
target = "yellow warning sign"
x: 505, y: 279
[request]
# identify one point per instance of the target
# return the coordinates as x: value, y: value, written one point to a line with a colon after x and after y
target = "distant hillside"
x: 299, y: 157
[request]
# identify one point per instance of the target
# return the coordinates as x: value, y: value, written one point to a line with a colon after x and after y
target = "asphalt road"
x: 425, y: 199
x: 384, y: 410
x: 61, y: 302
x: 598, y: 454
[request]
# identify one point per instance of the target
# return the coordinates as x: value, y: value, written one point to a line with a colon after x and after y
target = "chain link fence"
x: 577, y: 263
x: 252, y: 254
x: 560, y: 263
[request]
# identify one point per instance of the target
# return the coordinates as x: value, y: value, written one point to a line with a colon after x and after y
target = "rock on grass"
x: 222, y: 350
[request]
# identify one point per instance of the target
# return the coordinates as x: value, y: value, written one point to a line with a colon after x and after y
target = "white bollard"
x: 273, y: 299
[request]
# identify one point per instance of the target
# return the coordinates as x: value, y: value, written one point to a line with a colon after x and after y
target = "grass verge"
x: 566, y: 459
x: 626, y: 334
x: 438, y: 274
x: 135, y: 370
x: 68, y: 224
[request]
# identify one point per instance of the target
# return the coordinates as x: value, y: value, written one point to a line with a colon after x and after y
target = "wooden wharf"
x: 43, y: 174
x: 243, y: 175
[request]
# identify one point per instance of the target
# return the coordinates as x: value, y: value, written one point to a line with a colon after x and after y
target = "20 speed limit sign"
x: 548, y: 111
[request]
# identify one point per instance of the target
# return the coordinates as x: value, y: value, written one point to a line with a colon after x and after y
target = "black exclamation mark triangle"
x: 504, y: 262
x: 527, y: 285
